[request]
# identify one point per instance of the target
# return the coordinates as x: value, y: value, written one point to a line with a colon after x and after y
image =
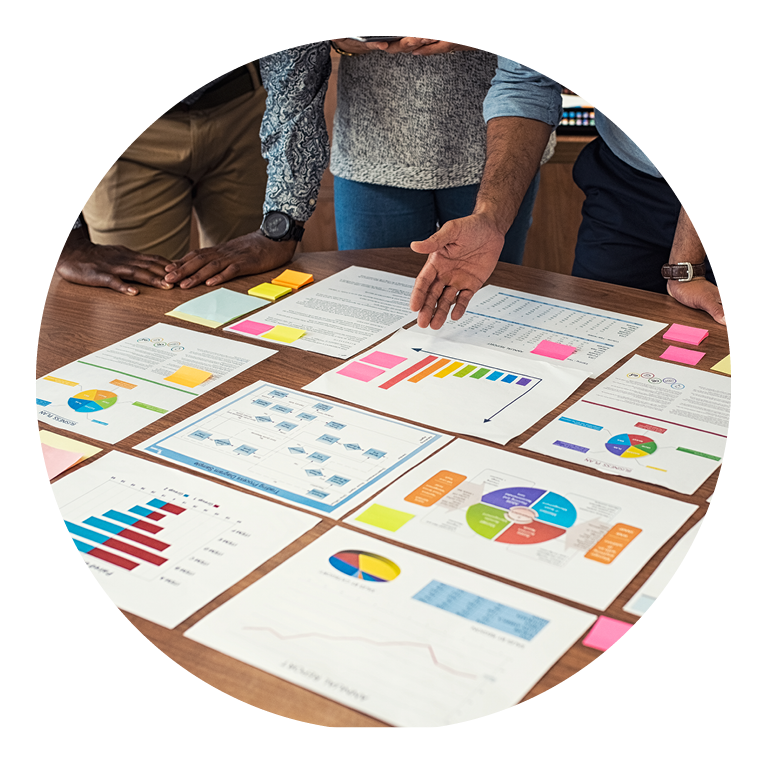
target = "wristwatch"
x: 684, y: 271
x: 280, y: 226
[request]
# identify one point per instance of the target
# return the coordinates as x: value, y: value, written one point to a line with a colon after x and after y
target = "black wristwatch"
x: 280, y: 226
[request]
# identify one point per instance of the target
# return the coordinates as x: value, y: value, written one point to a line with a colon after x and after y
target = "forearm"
x: 515, y: 146
x: 686, y: 245
x: 294, y: 137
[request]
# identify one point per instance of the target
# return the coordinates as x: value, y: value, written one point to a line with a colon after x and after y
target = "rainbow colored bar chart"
x: 459, y: 388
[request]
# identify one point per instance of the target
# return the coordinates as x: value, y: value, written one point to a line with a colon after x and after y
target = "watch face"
x: 276, y: 225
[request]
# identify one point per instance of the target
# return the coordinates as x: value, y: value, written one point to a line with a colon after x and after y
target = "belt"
x: 237, y: 83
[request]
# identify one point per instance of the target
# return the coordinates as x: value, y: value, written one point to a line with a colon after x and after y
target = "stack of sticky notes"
x: 280, y: 333
x: 685, y: 334
x: 293, y: 280
x: 269, y: 292
x: 216, y: 308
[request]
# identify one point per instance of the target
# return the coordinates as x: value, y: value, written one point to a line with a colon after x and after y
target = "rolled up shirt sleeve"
x: 518, y: 91
x: 294, y: 137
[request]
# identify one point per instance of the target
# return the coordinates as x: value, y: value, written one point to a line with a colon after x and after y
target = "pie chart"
x: 631, y: 446
x: 92, y: 401
x: 521, y: 515
x: 365, y: 566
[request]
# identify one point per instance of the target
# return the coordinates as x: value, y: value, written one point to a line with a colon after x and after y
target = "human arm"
x: 108, y: 266
x: 522, y: 109
x: 418, y: 46
x: 699, y: 293
x: 294, y: 142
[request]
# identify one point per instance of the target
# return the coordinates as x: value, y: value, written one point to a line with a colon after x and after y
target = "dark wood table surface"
x: 78, y: 320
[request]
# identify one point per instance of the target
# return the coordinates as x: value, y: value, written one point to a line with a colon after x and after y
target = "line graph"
x: 392, y: 643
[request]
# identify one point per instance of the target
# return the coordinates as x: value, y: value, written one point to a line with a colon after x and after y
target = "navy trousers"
x: 629, y: 219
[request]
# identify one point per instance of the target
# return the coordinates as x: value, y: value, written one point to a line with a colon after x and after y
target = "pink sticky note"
x: 687, y: 356
x: 555, y: 351
x: 684, y: 334
x: 384, y: 360
x: 360, y: 372
x: 58, y: 460
x: 251, y: 328
x: 605, y: 633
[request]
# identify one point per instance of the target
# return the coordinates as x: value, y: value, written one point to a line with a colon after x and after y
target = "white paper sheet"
x: 560, y: 531
x: 295, y: 447
x: 516, y: 322
x: 115, y: 392
x: 343, y: 314
x: 201, y: 537
x: 433, y: 645
x: 662, y: 575
x: 650, y: 420
x: 457, y: 387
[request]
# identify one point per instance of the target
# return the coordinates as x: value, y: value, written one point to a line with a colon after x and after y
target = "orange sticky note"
x: 293, y: 280
x: 436, y: 488
x: 187, y: 376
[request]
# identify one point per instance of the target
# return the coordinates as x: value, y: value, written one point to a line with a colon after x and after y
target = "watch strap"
x: 684, y: 271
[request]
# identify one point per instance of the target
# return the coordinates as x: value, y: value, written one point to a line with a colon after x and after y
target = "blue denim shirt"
x: 517, y: 91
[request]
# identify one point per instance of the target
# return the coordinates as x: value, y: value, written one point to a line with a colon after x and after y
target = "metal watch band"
x: 684, y: 271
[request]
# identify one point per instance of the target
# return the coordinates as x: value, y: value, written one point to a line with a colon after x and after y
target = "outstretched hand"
x: 252, y: 253
x: 699, y: 293
x: 462, y: 256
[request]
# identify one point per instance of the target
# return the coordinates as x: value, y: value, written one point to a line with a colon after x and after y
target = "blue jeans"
x: 376, y: 216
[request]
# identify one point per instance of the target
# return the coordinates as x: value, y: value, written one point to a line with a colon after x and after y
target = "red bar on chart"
x: 171, y: 509
x: 113, y: 559
x: 147, y: 527
x: 407, y: 373
x: 429, y: 370
x: 145, y: 540
x: 156, y: 516
x: 126, y: 548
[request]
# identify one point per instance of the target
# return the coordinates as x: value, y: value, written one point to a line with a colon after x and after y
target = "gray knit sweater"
x: 411, y: 121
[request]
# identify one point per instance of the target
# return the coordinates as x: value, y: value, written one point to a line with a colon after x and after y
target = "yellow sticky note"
x: 283, y: 334
x: 384, y: 517
x: 723, y: 366
x: 187, y: 376
x: 268, y: 291
x: 292, y: 279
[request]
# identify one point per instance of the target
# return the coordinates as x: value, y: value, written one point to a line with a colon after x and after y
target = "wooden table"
x: 78, y: 320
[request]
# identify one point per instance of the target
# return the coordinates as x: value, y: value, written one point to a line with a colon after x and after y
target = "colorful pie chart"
x: 365, y: 566
x: 631, y: 446
x: 92, y: 401
x: 521, y: 515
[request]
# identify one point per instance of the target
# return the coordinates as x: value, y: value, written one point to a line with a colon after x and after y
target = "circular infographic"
x: 92, y: 401
x: 521, y: 515
x: 365, y: 566
x: 631, y: 446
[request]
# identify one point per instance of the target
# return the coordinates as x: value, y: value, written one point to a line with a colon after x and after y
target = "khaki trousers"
x: 207, y: 160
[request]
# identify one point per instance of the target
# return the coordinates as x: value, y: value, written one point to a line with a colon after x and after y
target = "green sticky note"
x: 384, y: 517
x: 283, y: 334
x: 268, y: 291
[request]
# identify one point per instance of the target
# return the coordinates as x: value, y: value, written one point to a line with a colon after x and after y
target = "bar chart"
x: 458, y: 388
x: 162, y: 543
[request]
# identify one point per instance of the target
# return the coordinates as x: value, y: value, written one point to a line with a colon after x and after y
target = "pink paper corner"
x: 360, y: 372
